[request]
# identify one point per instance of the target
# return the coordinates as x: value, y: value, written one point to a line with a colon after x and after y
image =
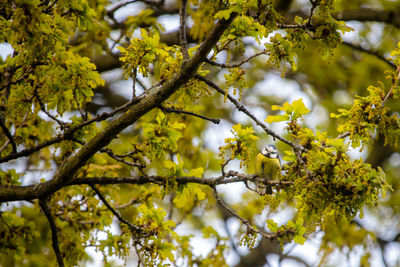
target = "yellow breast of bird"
x: 267, y: 167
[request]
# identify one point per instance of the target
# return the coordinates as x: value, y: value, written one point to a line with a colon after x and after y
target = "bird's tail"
x: 263, y: 189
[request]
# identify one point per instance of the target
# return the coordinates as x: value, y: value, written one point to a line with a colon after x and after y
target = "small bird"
x: 268, y: 166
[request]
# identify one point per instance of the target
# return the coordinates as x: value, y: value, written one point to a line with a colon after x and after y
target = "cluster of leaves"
x: 144, y: 20
x: 204, y: 20
x: 327, y: 29
x: 154, y: 248
x: 369, y: 115
x: 236, y: 79
x: 281, y: 50
x: 241, y: 146
x: 328, y: 186
x: 10, y: 177
x: 162, y: 136
x: 291, y: 231
x: 177, y: 169
x: 15, y: 232
x: 141, y: 53
x: 44, y: 73
x: 66, y: 87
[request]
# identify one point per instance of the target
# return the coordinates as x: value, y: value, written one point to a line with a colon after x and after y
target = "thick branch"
x: 145, y: 103
x: 54, y: 239
x: 229, y: 178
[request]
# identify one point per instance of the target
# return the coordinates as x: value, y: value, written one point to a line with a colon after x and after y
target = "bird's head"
x: 270, y: 151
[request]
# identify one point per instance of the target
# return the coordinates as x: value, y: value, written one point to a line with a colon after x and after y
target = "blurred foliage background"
x: 325, y: 72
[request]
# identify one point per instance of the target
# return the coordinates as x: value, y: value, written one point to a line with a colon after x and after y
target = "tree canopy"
x: 131, y: 128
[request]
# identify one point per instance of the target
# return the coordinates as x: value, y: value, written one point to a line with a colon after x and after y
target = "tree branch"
x: 384, y: 100
x: 373, y: 53
x: 54, y: 239
x: 370, y: 14
x: 182, y: 30
x: 250, y: 228
x: 230, y: 177
x: 118, y: 158
x: 173, y: 110
x: 222, y: 65
x: 362, y: 15
x: 112, y: 11
x: 43, y: 108
x: 8, y: 134
x: 107, y: 62
x: 297, y: 148
x: 67, y: 135
x: 135, y: 229
x: 242, y: 108
x: 145, y: 103
x: 314, y: 4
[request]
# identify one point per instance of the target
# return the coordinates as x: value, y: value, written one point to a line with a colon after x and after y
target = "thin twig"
x: 250, y: 228
x: 314, y: 5
x: 111, y: 12
x: 119, y: 158
x: 303, y: 164
x: 395, y: 82
x: 54, y: 239
x: 291, y: 26
x: 141, y: 84
x: 388, y: 95
x: 222, y: 65
x: 43, y: 108
x: 8, y: 134
x: 343, y: 135
x: 134, y: 74
x: 133, y: 228
x: 133, y: 152
x: 182, y: 30
x: 174, y: 110
x: 373, y: 53
x: 242, y: 108
x: 47, y: 10
x: 121, y: 34
x: 137, y: 253
x: 4, y: 146
x: 130, y: 203
x: 224, y: 165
